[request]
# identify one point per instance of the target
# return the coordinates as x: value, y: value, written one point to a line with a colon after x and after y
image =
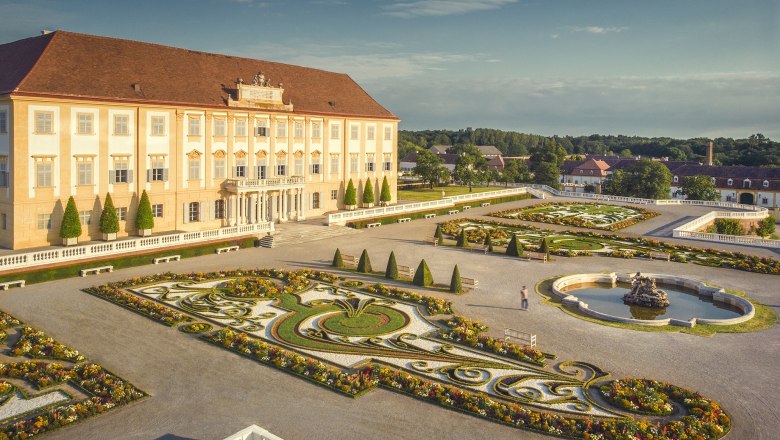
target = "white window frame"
x: 316, y: 130
x: 85, y: 217
x: 85, y: 123
x: 335, y: 131
x: 44, y: 174
x: 158, y: 125
x: 44, y: 122
x: 261, y: 130
x: 220, y: 168
x: 354, y: 132
x: 85, y: 171
x: 193, y: 169
x: 281, y: 129
x: 370, y: 133
x: 121, y: 125
x: 220, y: 127
x: 3, y: 121
x: 4, y: 176
x: 315, y: 200
x: 299, y: 132
x: 157, y: 166
x: 158, y: 210
x: 193, y: 212
x: 121, y: 213
x: 44, y: 221
x: 281, y: 169
x: 353, y: 163
x: 121, y: 171
x: 240, y: 129
x: 388, y: 133
x: 193, y: 126
x: 334, y: 163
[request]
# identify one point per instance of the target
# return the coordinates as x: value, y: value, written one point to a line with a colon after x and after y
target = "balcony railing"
x: 264, y: 183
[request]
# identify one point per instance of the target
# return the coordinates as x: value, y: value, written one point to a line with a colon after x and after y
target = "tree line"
x: 756, y: 150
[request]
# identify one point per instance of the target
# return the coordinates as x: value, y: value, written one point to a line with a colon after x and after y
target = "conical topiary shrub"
x: 70, y: 229
x: 338, y: 260
x: 368, y: 194
x: 439, y: 234
x: 488, y: 242
x: 462, y: 240
x: 422, y: 276
x: 544, y: 247
x: 350, y: 196
x: 455, y: 285
x: 513, y: 248
x: 144, y: 219
x: 364, y: 265
x: 385, y: 195
x: 391, y: 272
x: 109, y: 222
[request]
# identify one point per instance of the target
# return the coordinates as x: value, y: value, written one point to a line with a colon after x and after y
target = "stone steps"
x: 300, y: 233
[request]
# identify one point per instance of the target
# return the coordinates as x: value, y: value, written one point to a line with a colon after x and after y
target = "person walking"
x: 524, y: 298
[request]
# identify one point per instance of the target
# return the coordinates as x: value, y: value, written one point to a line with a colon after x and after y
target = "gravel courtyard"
x: 199, y: 391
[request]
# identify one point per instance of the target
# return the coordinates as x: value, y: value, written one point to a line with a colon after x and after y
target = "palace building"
x: 214, y: 140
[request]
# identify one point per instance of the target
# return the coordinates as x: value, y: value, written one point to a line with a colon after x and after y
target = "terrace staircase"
x: 288, y: 233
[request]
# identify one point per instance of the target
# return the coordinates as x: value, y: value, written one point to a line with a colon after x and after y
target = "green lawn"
x: 426, y: 194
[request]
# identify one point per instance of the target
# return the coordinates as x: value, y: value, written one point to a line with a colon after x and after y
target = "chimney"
x: 709, y: 155
x: 45, y: 32
x: 137, y: 87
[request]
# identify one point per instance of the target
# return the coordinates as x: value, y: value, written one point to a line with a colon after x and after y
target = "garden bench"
x: 9, y: 284
x: 660, y: 255
x: 480, y: 247
x: 465, y: 207
x: 485, y: 204
x: 406, y: 271
x: 96, y: 270
x: 350, y: 259
x: 537, y: 256
x: 523, y: 336
x: 404, y: 220
x: 159, y: 260
x: 470, y: 283
x: 227, y: 249
x: 430, y: 215
x: 453, y: 211
x: 374, y: 225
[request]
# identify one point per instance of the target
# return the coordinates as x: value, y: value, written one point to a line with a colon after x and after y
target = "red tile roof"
x: 66, y: 64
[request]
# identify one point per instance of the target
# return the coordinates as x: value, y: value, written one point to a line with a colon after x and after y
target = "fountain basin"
x: 567, y: 286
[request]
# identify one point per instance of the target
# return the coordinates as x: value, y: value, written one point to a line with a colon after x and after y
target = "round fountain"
x: 637, y: 299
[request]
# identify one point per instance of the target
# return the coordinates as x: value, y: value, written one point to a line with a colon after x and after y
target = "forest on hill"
x: 756, y: 150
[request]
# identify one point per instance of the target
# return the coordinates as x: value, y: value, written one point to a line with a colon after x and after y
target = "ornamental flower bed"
x: 434, y: 306
x: 640, y: 246
x: 39, y: 374
x: 707, y: 420
x: 468, y: 332
x: 105, y: 389
x: 148, y: 308
x: 251, y: 287
x: 8, y: 321
x: 37, y: 344
x: 528, y: 214
x: 638, y: 396
x: 314, y: 370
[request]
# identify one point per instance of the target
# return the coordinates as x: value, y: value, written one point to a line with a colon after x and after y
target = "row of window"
x: 730, y: 182
x: 44, y: 124
x: 44, y: 220
x: 158, y: 173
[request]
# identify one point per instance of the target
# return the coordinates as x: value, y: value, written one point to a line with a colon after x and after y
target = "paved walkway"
x: 202, y: 392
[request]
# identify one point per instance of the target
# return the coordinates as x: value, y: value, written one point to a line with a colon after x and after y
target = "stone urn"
x: 144, y: 232
x: 72, y: 241
x: 109, y: 236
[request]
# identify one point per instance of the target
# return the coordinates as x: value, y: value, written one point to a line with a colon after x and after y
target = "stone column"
x: 302, y: 214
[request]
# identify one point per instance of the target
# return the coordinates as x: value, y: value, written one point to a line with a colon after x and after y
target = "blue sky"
x: 679, y: 68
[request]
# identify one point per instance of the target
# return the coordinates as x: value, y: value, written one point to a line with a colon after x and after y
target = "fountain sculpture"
x: 645, y: 293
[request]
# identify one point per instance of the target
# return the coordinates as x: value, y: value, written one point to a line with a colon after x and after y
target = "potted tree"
x: 144, y: 220
x: 385, y: 196
x: 368, y: 195
x: 350, y: 197
x: 109, y: 222
x: 70, y: 229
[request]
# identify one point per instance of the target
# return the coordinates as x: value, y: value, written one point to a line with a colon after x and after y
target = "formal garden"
x: 581, y: 214
x: 498, y: 234
x: 353, y: 336
x: 46, y: 385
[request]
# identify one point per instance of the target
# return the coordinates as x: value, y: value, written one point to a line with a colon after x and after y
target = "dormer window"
x: 746, y: 183
x: 766, y: 184
x: 712, y: 180
x: 730, y: 182
x: 675, y: 179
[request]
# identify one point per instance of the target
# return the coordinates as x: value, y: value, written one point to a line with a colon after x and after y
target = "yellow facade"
x: 198, y: 168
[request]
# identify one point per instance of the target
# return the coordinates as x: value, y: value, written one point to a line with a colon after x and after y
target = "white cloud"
x: 372, y: 67
x: 438, y: 8
x: 597, y: 30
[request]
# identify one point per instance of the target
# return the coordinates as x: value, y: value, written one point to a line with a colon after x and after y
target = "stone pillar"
x: 302, y: 214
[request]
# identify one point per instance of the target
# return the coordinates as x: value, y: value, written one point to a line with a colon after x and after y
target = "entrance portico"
x: 275, y: 200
